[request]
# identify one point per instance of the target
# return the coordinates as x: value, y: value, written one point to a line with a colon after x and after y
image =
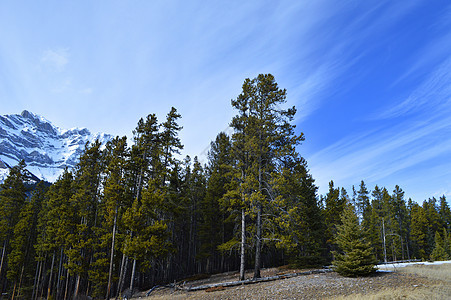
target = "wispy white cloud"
x: 376, y: 156
x: 312, y: 88
x: 406, y: 138
x: 435, y: 51
x: 434, y: 93
x: 194, y: 55
x: 337, y: 38
x: 55, y: 59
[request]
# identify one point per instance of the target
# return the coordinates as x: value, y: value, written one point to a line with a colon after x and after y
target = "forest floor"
x: 412, y: 282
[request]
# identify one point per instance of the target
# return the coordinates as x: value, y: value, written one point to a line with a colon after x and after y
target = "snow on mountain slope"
x: 46, y: 149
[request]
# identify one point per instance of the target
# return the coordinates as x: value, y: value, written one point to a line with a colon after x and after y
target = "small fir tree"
x: 439, y: 252
x: 355, y: 257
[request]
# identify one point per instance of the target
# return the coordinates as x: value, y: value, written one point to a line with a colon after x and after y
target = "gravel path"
x: 318, y: 286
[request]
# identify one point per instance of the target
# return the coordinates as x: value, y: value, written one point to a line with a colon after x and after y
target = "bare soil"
x: 315, y: 286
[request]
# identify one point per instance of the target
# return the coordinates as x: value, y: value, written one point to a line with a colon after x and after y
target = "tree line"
x: 135, y: 216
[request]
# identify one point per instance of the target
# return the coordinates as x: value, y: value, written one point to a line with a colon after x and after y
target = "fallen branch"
x: 250, y: 281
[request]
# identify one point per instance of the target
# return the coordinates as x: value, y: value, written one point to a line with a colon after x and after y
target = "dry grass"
x: 420, y: 293
x: 436, y: 272
x: 441, y: 290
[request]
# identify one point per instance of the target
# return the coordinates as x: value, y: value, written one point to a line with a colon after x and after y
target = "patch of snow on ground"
x: 391, y: 267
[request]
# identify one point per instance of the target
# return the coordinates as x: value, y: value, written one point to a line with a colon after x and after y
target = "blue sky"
x: 370, y: 79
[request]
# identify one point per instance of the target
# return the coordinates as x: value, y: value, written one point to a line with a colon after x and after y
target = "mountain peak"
x: 46, y: 149
x: 39, y: 121
x: 28, y: 115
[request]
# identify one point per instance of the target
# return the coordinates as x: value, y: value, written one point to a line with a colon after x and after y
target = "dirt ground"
x: 315, y: 286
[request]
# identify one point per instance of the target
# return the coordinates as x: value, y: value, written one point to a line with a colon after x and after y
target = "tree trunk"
x: 110, y: 273
x: 77, y: 286
x: 36, y: 280
x: 67, y: 284
x: 123, y: 271
x: 407, y: 246
x: 191, y: 254
x: 60, y: 269
x: 3, y: 256
x: 40, y: 292
x: 258, y: 246
x: 383, y: 233
x: 402, y: 251
x: 88, y: 286
x: 49, y: 288
x: 243, y: 244
x: 20, y: 280
x: 393, y: 254
x: 14, y: 290
x: 132, y: 279
x: 222, y: 242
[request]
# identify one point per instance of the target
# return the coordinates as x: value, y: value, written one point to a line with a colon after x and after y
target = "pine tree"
x: 176, y: 215
x: 238, y: 192
x: 149, y: 238
x: 419, y: 231
x: 400, y: 220
x: 197, y: 195
x: 212, y: 232
x: 85, y: 202
x: 445, y: 213
x: 375, y: 229
x: 145, y: 162
x: 170, y: 141
x: 12, y: 199
x: 373, y: 232
x: 41, y: 197
x: 191, y: 194
x: 299, y: 220
x: 363, y: 204
x: 434, y: 223
x: 155, y: 181
x: 447, y: 242
x: 355, y: 257
x: 116, y: 198
x: 143, y: 169
x: 389, y: 225
x: 439, y: 252
x: 56, y: 222
x: 20, y: 247
x: 334, y: 205
x: 21, y: 258
x: 171, y: 184
x: 377, y: 201
x: 263, y: 135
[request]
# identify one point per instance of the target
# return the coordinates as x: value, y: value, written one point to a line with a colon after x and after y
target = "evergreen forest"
x: 134, y: 216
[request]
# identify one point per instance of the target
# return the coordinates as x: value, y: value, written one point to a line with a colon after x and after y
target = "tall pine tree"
x: 264, y: 135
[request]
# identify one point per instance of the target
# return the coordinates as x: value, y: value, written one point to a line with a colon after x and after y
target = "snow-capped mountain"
x: 45, y: 148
